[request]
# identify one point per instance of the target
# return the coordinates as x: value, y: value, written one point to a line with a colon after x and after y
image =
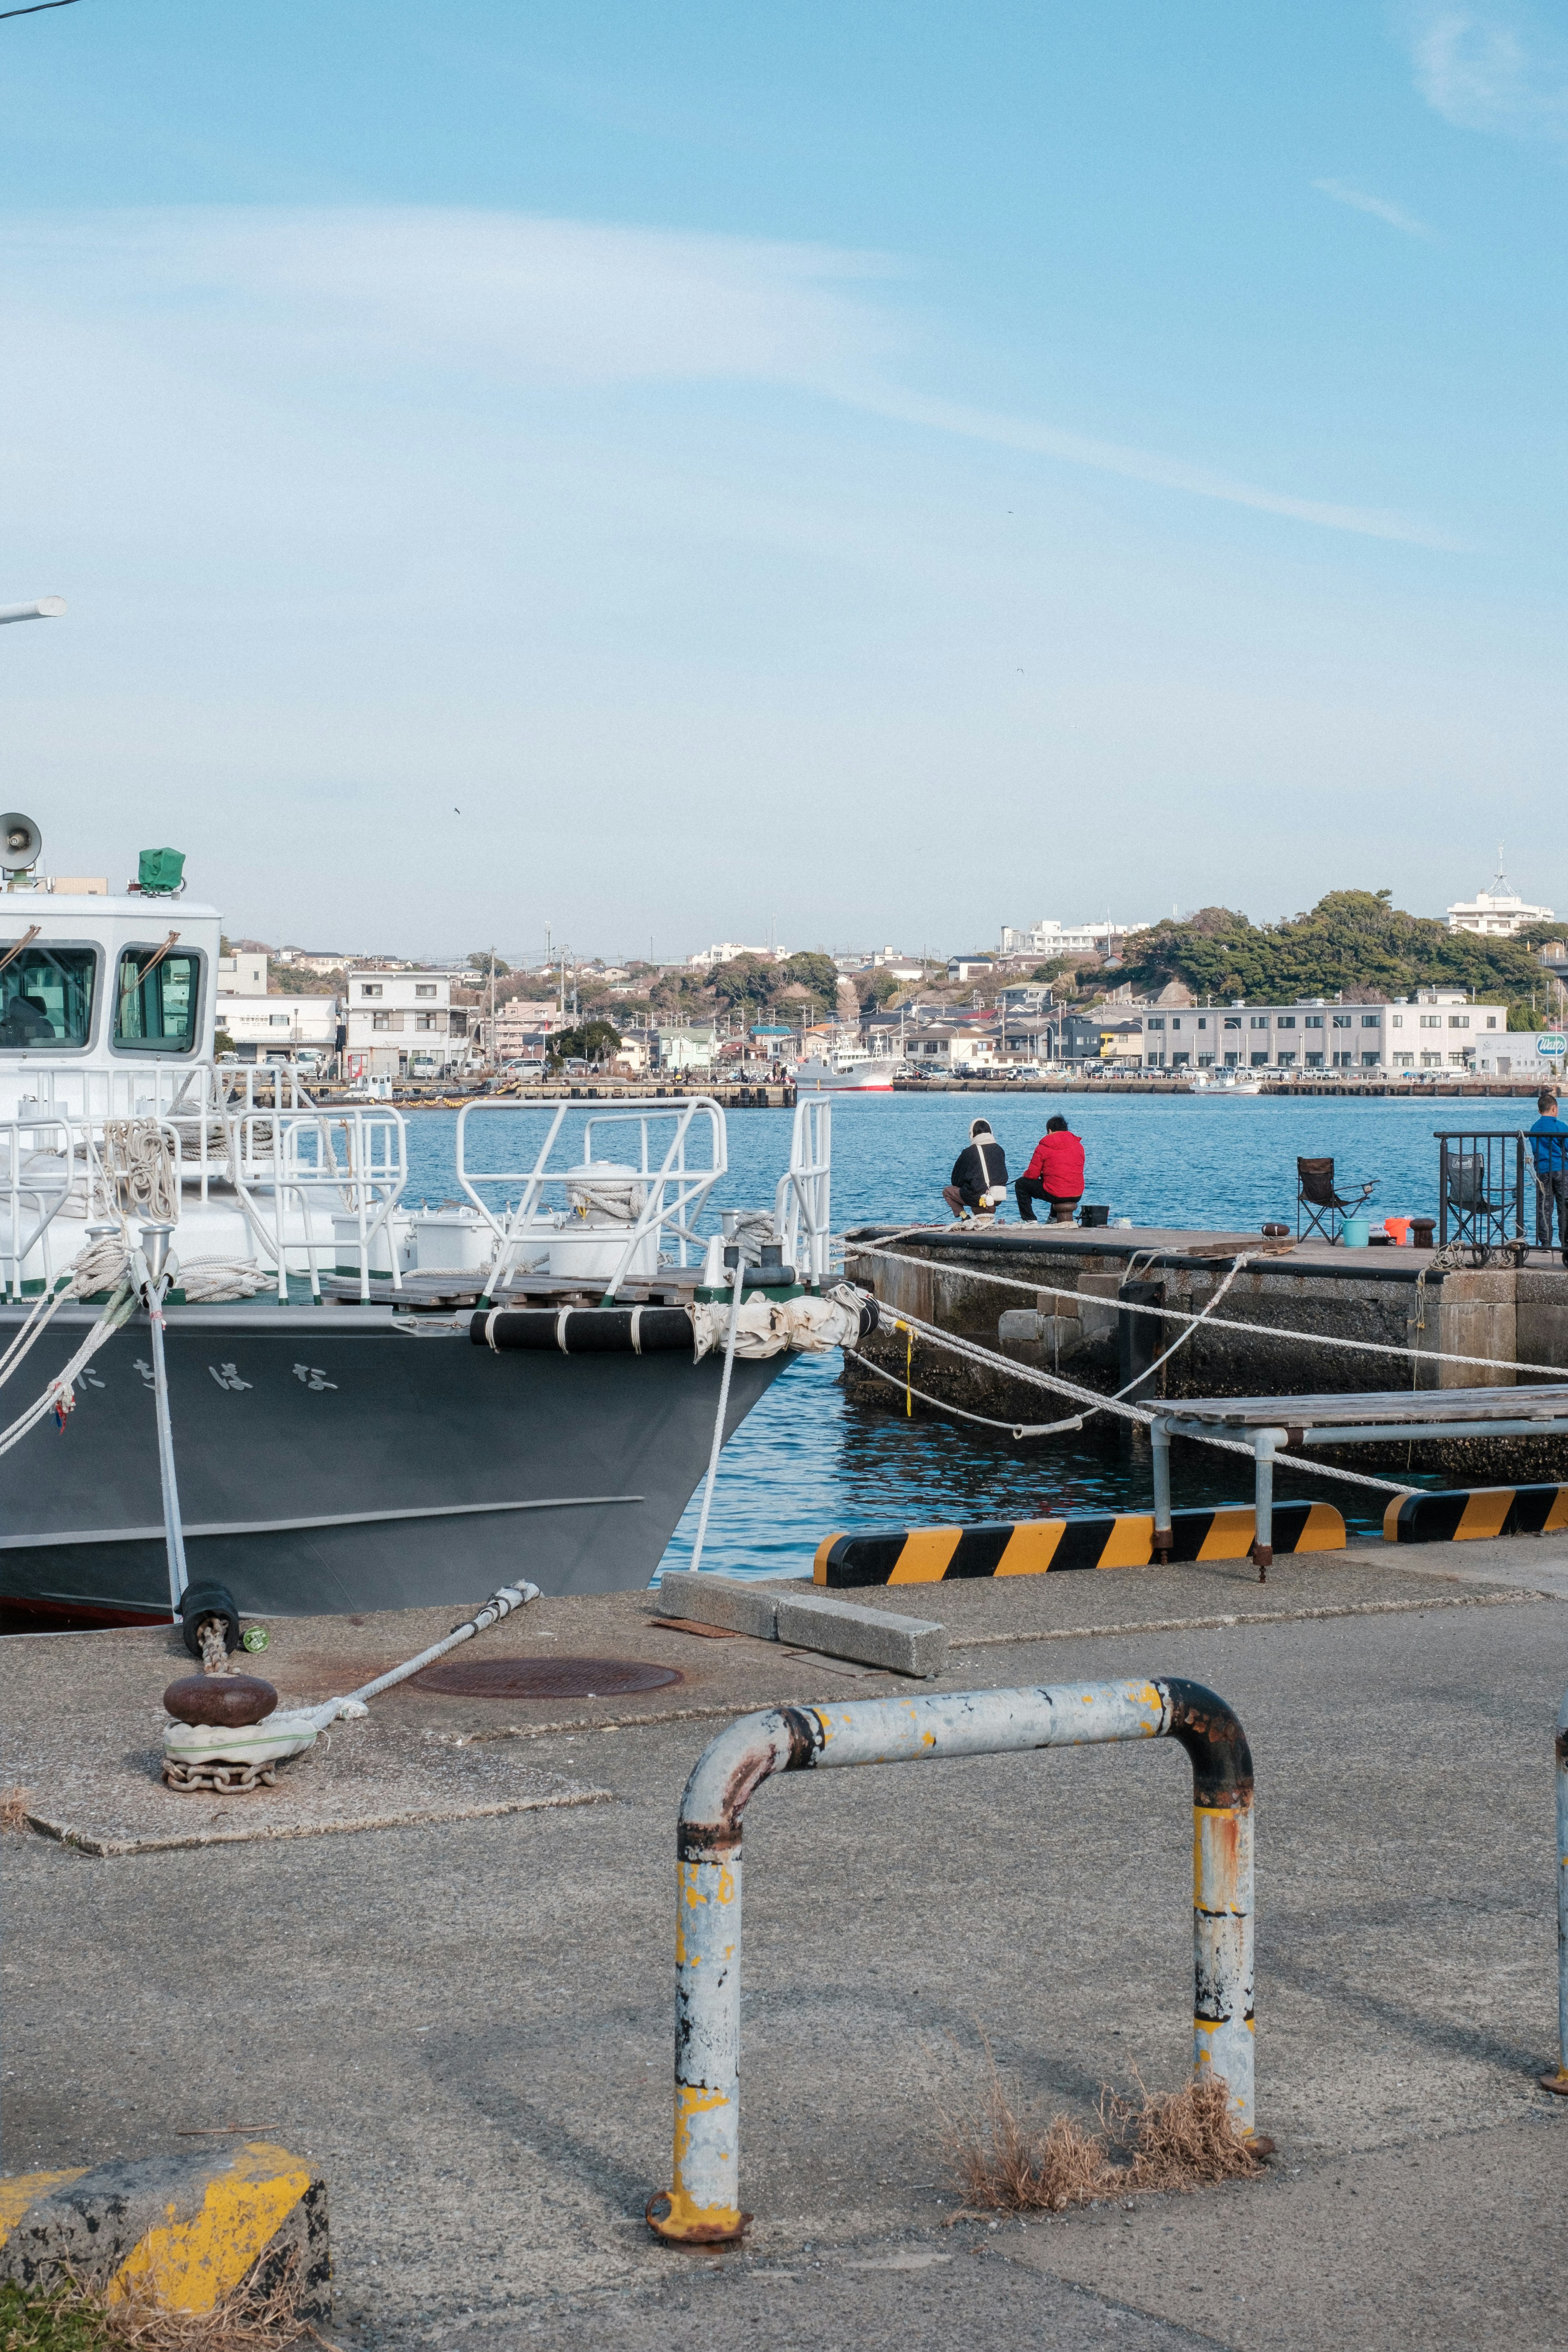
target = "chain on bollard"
x: 1559, y: 2080
x: 701, y: 2206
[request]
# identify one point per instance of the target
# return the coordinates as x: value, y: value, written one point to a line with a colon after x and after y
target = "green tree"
x: 481, y: 959
x: 594, y: 1041
x: 1354, y: 943
x: 817, y: 973
x: 876, y: 988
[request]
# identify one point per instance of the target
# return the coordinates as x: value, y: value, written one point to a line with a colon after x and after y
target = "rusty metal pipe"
x: 701, y: 2206
x: 1559, y: 2080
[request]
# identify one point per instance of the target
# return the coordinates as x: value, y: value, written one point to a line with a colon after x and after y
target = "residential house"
x: 684, y: 1046
x: 403, y: 1024
x: 244, y: 974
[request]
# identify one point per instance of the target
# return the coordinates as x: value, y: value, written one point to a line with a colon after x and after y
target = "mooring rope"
x: 1223, y: 1322
x: 1117, y: 1405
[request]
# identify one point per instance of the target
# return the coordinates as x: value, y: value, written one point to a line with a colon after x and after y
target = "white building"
x: 1047, y: 939
x: 940, y: 1052
x: 278, y: 1028
x: 1439, y: 1029
x: 402, y: 1025
x: 726, y: 950
x: 242, y: 974
x: 1498, y: 913
x: 1522, y: 1054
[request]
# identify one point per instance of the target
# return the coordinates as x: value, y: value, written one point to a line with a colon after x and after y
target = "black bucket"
x: 1091, y: 1215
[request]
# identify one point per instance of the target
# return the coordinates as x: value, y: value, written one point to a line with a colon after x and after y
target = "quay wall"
x: 1078, y: 1285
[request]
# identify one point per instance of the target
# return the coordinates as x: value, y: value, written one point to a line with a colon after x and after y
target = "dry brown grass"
x: 76, y: 2318
x: 1161, y: 2141
x: 14, y: 1808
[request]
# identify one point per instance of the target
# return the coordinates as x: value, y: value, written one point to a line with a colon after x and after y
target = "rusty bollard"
x: 701, y: 2206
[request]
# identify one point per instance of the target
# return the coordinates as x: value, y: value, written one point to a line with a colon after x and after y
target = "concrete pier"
x: 467, y: 2024
x: 1065, y: 1304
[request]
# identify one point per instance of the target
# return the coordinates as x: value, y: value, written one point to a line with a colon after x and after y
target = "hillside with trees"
x: 1353, y: 943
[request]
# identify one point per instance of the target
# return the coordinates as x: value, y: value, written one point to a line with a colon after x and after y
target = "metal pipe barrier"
x: 703, y: 2205
x: 1559, y: 2080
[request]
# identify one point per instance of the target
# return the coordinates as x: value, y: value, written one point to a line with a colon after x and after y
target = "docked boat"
x: 847, y: 1069
x: 1222, y: 1082
x: 364, y: 1405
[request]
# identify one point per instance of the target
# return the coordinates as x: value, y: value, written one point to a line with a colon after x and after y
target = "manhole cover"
x: 543, y: 1677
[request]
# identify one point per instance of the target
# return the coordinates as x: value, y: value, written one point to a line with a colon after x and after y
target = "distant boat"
x: 850, y: 1069
x: 1222, y: 1082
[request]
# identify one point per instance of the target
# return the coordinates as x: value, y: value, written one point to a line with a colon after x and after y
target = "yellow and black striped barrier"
x: 1031, y: 1546
x: 174, y: 2233
x: 1470, y: 1514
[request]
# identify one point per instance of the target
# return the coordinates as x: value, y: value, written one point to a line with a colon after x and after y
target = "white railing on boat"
x: 37, y: 1169
x: 801, y: 1212
x: 199, y: 1099
x: 291, y: 1168
x: 603, y: 1218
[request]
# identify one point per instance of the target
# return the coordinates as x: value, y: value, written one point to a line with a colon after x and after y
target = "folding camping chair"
x: 1319, y: 1204
x: 1478, y: 1219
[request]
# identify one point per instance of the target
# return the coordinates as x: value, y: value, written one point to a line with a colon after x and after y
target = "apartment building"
x: 1439, y: 1029
x: 1046, y: 940
x: 403, y: 1024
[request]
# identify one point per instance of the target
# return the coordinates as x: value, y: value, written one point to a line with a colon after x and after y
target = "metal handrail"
x: 294, y: 1156
x: 23, y: 1180
x: 673, y: 1194
x: 801, y: 1198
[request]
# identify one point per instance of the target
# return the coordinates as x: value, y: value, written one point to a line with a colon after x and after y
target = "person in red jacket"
x: 1054, y: 1174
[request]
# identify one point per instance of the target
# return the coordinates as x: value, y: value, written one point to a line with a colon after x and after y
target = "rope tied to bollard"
x: 702, y: 2207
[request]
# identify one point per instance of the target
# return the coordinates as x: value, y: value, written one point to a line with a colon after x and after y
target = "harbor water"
x: 807, y: 1462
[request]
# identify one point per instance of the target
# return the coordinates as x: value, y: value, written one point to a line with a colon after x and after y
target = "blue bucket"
x: 1354, y: 1233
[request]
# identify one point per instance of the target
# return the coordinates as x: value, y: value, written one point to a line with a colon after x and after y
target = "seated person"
x: 26, y: 1023
x: 979, y: 1181
x: 1054, y: 1174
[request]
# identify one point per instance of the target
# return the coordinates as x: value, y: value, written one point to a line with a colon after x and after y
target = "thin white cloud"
x: 1396, y: 215
x: 1139, y: 466
x: 379, y: 306
x: 1484, y: 71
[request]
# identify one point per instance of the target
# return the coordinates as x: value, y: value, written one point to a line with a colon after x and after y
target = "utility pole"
x: 494, y: 1058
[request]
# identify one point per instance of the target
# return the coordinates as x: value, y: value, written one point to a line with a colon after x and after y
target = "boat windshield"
x: 45, y: 999
x: 156, y: 997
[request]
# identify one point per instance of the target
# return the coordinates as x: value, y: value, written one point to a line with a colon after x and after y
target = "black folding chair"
x: 1318, y: 1203
x: 1481, y: 1222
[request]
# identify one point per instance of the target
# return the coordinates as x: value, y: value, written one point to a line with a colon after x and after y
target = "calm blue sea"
x: 807, y: 1462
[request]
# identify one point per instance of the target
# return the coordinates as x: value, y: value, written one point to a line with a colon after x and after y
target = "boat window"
x: 45, y: 999
x: 157, y: 997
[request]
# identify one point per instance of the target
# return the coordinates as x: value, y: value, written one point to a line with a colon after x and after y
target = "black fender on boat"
x: 585, y: 1331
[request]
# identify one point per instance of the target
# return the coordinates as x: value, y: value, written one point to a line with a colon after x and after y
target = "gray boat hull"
x: 343, y: 1459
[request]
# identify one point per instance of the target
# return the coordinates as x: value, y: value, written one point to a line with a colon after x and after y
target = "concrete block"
x: 873, y: 1637
x: 743, y: 1605
x: 177, y: 2233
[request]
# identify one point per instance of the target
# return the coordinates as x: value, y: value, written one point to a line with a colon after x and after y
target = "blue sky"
x: 881, y: 472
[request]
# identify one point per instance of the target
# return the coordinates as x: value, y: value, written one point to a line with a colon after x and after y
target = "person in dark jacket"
x: 1054, y: 1174
x: 979, y: 1177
